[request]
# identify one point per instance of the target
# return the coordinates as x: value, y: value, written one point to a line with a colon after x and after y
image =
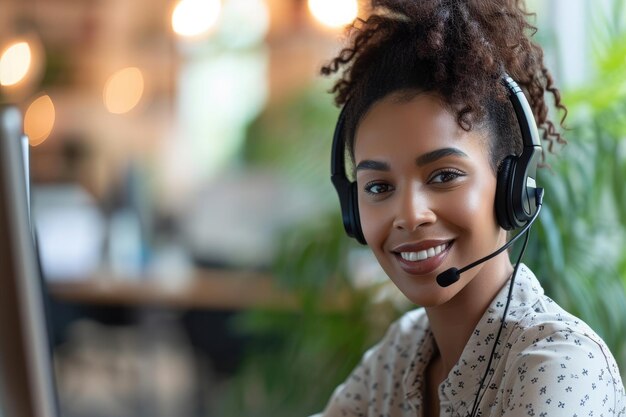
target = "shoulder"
x: 403, y: 335
x: 556, y: 361
x: 408, y: 327
x: 546, y: 327
x: 402, y: 339
x: 541, y: 325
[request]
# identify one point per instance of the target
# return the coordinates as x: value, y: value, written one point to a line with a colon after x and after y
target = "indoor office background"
x: 189, y: 234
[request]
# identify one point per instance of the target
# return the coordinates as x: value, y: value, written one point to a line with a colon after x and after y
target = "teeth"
x: 423, y: 254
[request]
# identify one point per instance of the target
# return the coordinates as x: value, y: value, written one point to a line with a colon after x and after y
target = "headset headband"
x: 525, y: 175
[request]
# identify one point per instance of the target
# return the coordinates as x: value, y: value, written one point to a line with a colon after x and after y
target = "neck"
x: 453, y: 323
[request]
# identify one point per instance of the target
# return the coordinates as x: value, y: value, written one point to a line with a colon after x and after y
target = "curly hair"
x: 458, y: 49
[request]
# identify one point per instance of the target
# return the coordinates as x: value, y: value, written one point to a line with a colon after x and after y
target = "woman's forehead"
x: 420, y: 124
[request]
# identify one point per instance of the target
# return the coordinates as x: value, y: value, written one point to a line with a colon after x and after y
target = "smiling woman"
x: 445, y: 148
x: 433, y: 191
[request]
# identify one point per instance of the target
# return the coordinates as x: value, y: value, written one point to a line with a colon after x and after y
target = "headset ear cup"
x: 355, y: 217
x: 504, y: 198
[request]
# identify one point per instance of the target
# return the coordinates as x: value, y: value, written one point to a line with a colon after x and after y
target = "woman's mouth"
x: 423, y: 254
x: 424, y: 261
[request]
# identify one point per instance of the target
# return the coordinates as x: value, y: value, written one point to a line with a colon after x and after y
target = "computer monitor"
x: 26, y: 377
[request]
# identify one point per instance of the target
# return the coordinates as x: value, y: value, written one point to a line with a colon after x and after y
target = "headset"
x: 516, y: 188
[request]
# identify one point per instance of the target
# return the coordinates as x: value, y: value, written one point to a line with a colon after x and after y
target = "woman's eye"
x: 445, y: 176
x: 377, y: 188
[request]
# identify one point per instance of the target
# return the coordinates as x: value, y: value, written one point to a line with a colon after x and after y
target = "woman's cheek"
x: 470, y: 209
x: 478, y: 206
x: 371, y: 224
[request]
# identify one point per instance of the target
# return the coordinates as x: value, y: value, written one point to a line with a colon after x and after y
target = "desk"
x: 212, y: 289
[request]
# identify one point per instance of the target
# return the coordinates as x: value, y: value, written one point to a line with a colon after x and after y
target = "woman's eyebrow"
x: 373, y: 165
x: 421, y: 160
x: 432, y: 156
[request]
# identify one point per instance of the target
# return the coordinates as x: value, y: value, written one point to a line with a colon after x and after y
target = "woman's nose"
x: 413, y: 210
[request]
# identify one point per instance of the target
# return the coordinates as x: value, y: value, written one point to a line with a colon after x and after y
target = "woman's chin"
x: 428, y: 297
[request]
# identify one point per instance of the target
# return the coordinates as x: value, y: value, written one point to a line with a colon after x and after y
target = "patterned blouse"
x: 549, y: 363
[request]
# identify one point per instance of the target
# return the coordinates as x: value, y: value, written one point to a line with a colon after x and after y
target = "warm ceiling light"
x: 334, y: 13
x: 39, y: 120
x: 14, y: 63
x: 192, y: 18
x: 123, y: 90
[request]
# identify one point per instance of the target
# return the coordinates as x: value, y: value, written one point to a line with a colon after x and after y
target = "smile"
x: 422, y: 260
x: 423, y: 254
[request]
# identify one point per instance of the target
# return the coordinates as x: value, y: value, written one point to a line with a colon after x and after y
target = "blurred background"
x: 189, y: 235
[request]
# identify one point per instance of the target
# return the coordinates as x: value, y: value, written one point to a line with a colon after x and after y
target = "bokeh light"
x: 39, y: 120
x: 123, y: 90
x: 14, y: 63
x: 193, y: 18
x: 334, y: 13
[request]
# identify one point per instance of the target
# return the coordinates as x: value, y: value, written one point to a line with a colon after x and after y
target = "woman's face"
x: 426, y: 195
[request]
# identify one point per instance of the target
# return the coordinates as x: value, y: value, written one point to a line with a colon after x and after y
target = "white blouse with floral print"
x: 548, y: 363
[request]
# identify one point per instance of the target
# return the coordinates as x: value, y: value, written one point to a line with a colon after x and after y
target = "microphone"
x: 452, y: 275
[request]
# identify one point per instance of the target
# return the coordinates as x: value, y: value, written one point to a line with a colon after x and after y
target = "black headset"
x: 515, y: 201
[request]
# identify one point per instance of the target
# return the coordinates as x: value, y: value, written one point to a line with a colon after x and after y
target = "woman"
x: 434, y: 129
